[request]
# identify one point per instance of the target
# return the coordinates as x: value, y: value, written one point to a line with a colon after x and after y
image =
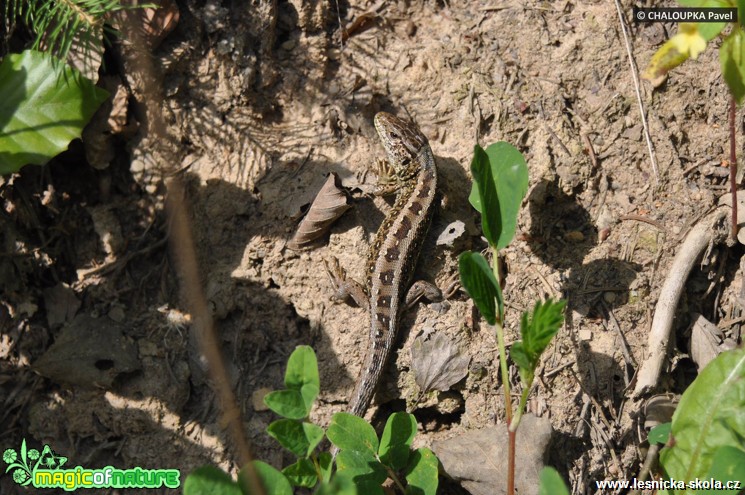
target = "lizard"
x: 411, y: 172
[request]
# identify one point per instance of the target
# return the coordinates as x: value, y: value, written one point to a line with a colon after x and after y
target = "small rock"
x: 117, y: 314
x: 257, y: 399
x: 574, y: 236
x: 478, y: 458
x: 609, y: 297
x: 585, y: 335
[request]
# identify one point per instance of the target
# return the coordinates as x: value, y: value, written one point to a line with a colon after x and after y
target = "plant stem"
x: 511, y: 463
x: 505, y: 383
x: 500, y: 343
x: 733, y: 165
x: 520, y: 408
x: 395, y: 479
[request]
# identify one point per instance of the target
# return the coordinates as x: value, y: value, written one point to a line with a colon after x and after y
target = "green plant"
x: 691, y: 40
x: 705, y: 440
x: 46, y: 102
x: 58, y: 24
x: 364, y: 461
x: 45, y: 105
x: 501, y: 181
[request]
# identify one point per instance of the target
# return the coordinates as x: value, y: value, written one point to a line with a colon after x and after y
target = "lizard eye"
x: 395, y: 135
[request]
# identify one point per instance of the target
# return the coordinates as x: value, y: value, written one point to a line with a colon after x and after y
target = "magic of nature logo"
x: 46, y: 469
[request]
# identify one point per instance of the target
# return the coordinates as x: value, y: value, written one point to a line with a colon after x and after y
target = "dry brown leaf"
x: 329, y: 204
x: 437, y: 362
x: 707, y: 341
x: 61, y: 304
x: 89, y: 351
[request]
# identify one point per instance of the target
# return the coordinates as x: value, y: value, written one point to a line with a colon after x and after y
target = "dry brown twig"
x: 706, y: 232
x: 635, y: 77
x: 181, y: 241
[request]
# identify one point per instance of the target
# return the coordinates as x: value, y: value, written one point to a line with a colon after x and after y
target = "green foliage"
x: 45, y: 105
x: 352, y: 433
x: 273, y: 481
x: 732, y: 59
x: 303, y: 385
x: 660, y: 433
x: 728, y: 464
x: 363, y: 463
x: 692, y: 39
x: 396, y: 439
x: 422, y: 473
x: 551, y: 483
x: 710, y: 416
x: 208, y: 480
x: 501, y: 181
x: 537, y: 330
x: 300, y: 438
x: 477, y: 277
x: 58, y: 24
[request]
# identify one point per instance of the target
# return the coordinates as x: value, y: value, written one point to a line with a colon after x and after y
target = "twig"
x: 635, y: 77
x: 700, y: 236
x: 640, y: 218
x: 733, y: 165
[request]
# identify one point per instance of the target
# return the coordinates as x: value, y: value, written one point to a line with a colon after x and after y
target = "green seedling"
x: 689, y: 43
x: 364, y: 463
x: 704, y: 441
x: 501, y: 181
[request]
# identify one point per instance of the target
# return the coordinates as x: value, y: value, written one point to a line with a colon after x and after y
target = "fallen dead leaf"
x: 438, y: 363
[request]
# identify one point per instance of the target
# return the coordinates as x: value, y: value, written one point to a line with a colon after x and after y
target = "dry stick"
x: 635, y: 77
x: 700, y: 236
x: 733, y: 165
x: 182, y: 246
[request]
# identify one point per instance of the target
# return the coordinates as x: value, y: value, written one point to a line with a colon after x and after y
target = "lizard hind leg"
x: 345, y: 289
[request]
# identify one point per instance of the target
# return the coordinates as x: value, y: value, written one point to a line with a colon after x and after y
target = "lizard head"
x: 402, y: 140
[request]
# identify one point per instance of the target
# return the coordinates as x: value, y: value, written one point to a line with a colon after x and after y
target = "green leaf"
x: 486, y: 198
x: 538, y: 329
x: 659, y: 434
x: 342, y: 484
x: 273, y: 481
x: 208, y: 480
x: 501, y: 177
x: 395, y: 442
x: 710, y: 415
x: 302, y: 368
x: 288, y: 403
x: 302, y: 473
x: 298, y: 438
x: 421, y: 477
x: 740, y: 11
x: 325, y: 461
x: 364, y: 468
x: 732, y: 59
x: 728, y: 465
x: 45, y: 105
x: 525, y: 362
x: 477, y: 277
x: 551, y: 483
x: 350, y: 432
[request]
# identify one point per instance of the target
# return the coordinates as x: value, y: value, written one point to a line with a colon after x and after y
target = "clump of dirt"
x: 263, y: 102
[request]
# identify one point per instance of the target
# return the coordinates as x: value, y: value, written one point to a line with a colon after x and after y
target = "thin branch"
x: 635, y: 77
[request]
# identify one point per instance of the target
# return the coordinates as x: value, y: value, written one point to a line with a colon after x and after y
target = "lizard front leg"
x: 429, y: 291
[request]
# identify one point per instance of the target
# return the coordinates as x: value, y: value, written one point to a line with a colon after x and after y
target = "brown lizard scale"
x: 396, y: 247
